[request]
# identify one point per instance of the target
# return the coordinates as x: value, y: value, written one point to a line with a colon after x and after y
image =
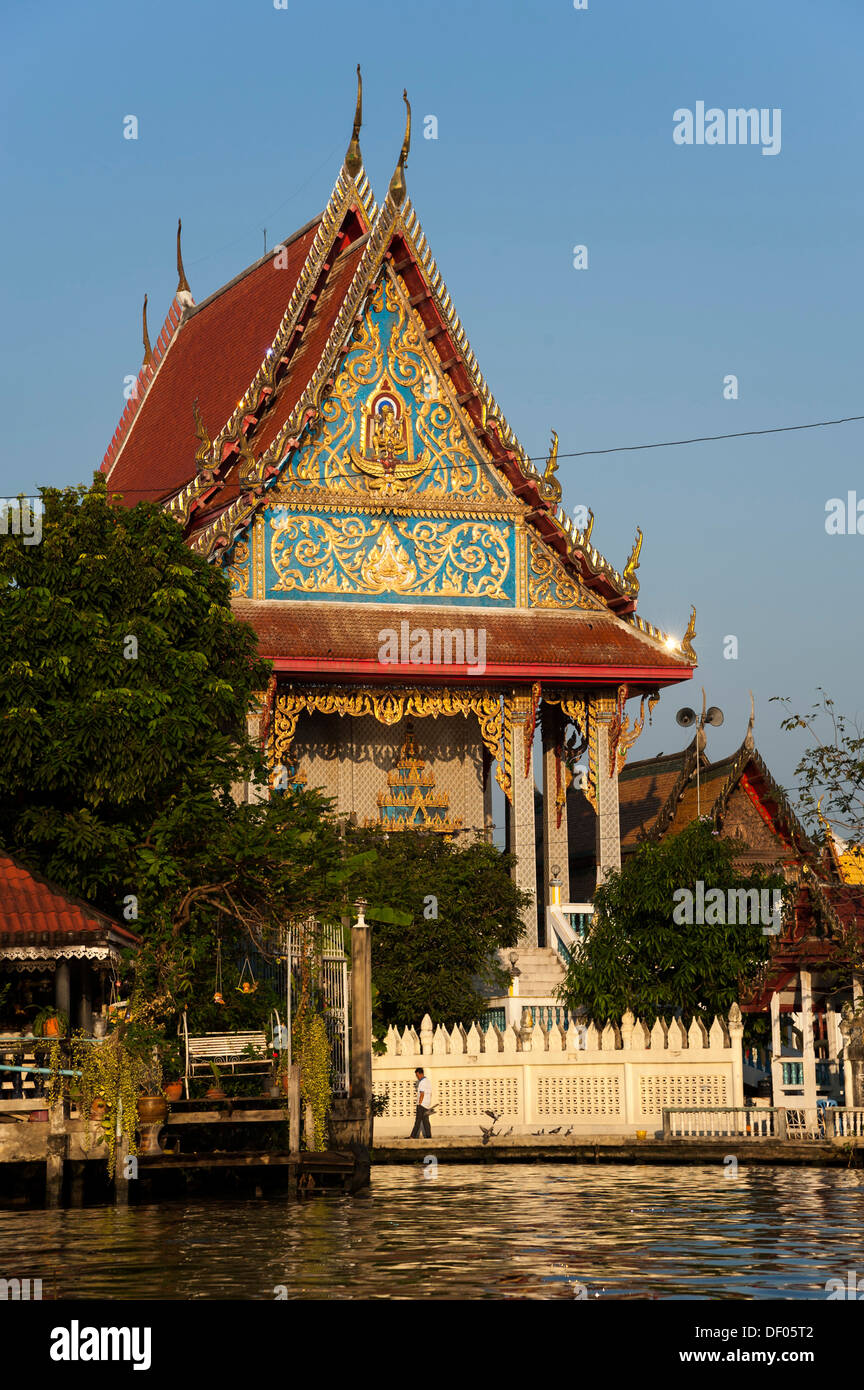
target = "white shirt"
x: 424, y: 1093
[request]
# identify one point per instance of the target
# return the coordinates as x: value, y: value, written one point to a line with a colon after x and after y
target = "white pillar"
x: 776, y: 1050
x: 736, y: 1034
x: 807, y: 1049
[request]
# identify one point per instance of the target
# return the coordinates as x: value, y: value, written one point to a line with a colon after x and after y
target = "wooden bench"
x: 243, y: 1054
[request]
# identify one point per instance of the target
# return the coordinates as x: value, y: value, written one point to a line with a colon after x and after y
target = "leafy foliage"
x: 636, y: 957
x: 461, y: 905
x: 831, y: 770
x: 101, y: 732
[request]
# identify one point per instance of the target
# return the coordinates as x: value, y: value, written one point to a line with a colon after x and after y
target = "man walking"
x: 422, y: 1128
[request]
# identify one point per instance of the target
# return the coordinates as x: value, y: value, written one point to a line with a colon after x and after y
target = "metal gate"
x: 329, y: 965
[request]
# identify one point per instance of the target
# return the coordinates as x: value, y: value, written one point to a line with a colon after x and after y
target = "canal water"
x: 478, y: 1232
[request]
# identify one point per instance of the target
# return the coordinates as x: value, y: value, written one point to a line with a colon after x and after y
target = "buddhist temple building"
x: 813, y: 977
x: 320, y: 428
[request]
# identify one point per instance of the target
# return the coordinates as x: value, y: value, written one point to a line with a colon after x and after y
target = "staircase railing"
x: 560, y: 932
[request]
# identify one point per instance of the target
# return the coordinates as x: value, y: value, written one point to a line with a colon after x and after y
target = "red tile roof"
x: 336, y: 639
x: 33, y: 911
x: 213, y: 356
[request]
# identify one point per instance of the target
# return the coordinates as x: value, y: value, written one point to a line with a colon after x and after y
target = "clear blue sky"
x: 555, y: 129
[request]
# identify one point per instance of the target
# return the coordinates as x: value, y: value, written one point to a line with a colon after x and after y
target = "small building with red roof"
x: 58, y: 951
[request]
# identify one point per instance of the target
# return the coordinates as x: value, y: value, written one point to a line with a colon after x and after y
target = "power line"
x: 700, y: 439
x: 663, y: 444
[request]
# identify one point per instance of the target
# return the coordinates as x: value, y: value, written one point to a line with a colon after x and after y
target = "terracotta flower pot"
x: 152, y: 1110
x: 52, y: 1028
x: 174, y: 1090
x: 214, y: 1093
x: 98, y: 1109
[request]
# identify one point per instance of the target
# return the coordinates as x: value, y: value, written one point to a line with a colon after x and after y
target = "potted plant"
x: 215, y: 1091
x: 171, y: 1063
x: 51, y: 1023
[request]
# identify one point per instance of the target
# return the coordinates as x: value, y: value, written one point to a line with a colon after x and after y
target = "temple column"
x: 608, y: 825
x: 776, y: 1050
x: 488, y: 822
x: 556, y: 846
x: 808, y: 1051
x: 522, y: 833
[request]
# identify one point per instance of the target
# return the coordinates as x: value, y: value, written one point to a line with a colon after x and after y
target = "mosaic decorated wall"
x: 388, y: 498
x: 356, y: 761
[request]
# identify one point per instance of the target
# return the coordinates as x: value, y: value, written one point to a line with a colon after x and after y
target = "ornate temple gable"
x: 397, y: 241
x: 552, y: 585
x: 389, y: 428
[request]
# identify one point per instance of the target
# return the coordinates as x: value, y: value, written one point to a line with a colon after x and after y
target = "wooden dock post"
x: 294, y: 1112
x: 58, y: 1143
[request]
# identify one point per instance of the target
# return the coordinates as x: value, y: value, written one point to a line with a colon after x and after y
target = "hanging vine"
x: 311, y: 1047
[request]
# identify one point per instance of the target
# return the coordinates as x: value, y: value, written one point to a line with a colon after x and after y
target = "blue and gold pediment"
x: 412, y: 556
x: 388, y: 426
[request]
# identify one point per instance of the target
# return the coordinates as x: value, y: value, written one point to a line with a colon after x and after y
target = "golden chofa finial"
x: 687, y: 639
x: 148, y: 351
x: 586, y: 536
x: 632, y: 564
x: 748, y: 737
x: 353, y: 157
x: 552, y: 461
x: 398, y: 187
x: 550, y: 488
x: 183, y: 293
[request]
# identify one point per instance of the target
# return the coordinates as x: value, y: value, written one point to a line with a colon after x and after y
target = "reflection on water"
x: 479, y: 1232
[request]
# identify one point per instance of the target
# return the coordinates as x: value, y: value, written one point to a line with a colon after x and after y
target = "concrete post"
x: 736, y: 1034
x: 808, y: 1051
x: 361, y: 1007
x: 776, y: 1050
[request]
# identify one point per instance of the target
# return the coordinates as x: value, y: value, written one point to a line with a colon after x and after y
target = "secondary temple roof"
x: 324, y: 411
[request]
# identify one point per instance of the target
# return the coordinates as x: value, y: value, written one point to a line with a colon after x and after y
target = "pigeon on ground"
x: 535, y: 1132
x: 555, y: 1131
x: 568, y: 1131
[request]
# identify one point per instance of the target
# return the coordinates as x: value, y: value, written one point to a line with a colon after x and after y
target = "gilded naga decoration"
x: 550, y: 487
x: 687, y: 639
x: 629, y: 575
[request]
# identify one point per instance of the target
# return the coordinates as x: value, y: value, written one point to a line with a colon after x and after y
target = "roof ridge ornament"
x: 148, y: 351
x: 398, y: 187
x: 550, y: 487
x: 748, y: 737
x: 183, y: 294
x: 632, y: 565
x: 353, y: 157
x: 687, y: 639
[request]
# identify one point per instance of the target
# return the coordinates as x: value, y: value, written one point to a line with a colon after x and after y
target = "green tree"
x: 462, y: 905
x: 124, y: 687
x: 637, y: 957
x: 831, y: 771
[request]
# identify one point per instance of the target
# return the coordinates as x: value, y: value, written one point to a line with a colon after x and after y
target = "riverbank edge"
x: 621, y: 1149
